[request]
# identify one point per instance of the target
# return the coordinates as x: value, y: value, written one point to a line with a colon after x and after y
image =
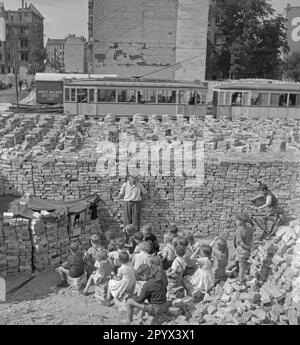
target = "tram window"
x: 236, y: 99
x: 259, y: 99
x: 245, y: 99
x: 197, y: 98
x: 106, y: 95
x: 73, y: 95
x: 149, y: 96
x: 278, y: 99
x: 166, y: 96
x: 67, y: 95
x: 294, y: 100
x: 82, y: 95
x: 227, y: 98
x: 126, y: 96
x: 215, y: 98
x: 91, y: 95
x: 140, y: 97
x: 182, y: 97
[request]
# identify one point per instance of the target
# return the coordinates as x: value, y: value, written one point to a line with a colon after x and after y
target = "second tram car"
x: 273, y: 99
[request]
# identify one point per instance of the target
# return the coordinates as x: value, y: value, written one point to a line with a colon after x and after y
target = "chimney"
x: 22, y: 3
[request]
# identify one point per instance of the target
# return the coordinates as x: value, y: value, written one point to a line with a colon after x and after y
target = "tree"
x: 292, y: 66
x: 39, y: 56
x: 253, y: 40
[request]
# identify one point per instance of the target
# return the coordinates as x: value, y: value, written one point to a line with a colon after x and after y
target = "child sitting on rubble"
x: 73, y: 267
x: 128, y: 232
x: 175, y: 274
x: 144, y: 256
x: 203, y: 279
x: 220, y: 255
x: 114, y: 255
x: 168, y: 253
x: 147, y: 231
x: 92, y: 254
x: 111, y: 236
x: 172, y: 231
x: 138, y: 238
x: 154, y: 290
x: 122, y: 285
x: 102, y: 275
x: 190, y: 262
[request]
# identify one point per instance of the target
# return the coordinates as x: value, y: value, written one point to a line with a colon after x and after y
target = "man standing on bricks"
x: 132, y: 192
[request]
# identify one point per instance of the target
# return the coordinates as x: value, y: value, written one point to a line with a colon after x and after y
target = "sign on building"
x: 293, y: 27
x: 2, y: 29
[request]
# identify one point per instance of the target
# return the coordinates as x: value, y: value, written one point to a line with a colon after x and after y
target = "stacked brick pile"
x: 16, y: 247
x: 267, y: 298
x: 40, y: 244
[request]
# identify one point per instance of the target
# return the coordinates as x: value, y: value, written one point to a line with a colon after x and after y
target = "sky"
x: 62, y: 17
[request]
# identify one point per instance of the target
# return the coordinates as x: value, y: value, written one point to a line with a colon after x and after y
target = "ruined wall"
x: 136, y: 37
x: 207, y: 209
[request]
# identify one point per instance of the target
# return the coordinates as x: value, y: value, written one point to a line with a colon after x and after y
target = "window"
x: 215, y: 98
x: 23, y: 43
x: 260, y: 98
x: 82, y: 95
x: 149, y: 96
x: 73, y: 95
x: 279, y: 99
x: 127, y: 96
x: 166, y: 96
x: 294, y: 100
x: 91, y: 95
x: 236, y: 99
x: 106, y: 95
x: 0, y: 56
x: 20, y: 17
x: 245, y: 98
x: 182, y: 97
x: 67, y: 95
x: 24, y: 56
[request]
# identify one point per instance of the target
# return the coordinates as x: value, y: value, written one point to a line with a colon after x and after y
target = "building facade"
x: 56, y: 53
x: 24, y: 46
x: 75, y: 55
x: 138, y: 37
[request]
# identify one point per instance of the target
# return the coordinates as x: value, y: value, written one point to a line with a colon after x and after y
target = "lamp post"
x: 15, y: 64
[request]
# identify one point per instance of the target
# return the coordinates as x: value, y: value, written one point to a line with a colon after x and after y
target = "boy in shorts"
x: 154, y: 290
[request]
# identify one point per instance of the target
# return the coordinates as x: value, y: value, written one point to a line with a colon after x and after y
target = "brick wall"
x: 207, y: 209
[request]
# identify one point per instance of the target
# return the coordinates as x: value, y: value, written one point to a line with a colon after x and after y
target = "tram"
x: 126, y: 97
x: 248, y: 99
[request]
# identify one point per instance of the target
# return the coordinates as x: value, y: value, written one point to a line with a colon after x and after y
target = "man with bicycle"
x: 270, y: 202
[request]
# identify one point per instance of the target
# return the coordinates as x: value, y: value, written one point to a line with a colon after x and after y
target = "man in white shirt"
x: 132, y: 193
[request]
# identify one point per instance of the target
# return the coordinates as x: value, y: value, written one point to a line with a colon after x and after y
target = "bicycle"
x: 276, y: 217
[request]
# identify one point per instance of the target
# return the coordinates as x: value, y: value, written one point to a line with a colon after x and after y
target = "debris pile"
x: 270, y: 296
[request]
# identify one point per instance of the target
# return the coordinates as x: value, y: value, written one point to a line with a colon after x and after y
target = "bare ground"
x: 40, y: 303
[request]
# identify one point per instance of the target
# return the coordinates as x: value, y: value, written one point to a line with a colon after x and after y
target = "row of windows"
x: 132, y: 96
x: 263, y: 99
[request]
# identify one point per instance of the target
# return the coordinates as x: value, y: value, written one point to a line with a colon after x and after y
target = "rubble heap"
x: 270, y: 296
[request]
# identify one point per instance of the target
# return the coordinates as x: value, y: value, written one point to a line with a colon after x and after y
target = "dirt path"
x: 40, y: 303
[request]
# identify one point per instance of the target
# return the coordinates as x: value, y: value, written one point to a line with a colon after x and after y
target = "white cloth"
x: 203, y: 278
x: 132, y: 192
x: 126, y: 284
x: 140, y: 259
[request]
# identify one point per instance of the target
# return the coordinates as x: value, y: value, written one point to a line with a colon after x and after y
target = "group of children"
x: 131, y: 268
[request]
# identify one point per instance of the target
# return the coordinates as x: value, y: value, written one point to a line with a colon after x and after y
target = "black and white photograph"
x: 149, y: 165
